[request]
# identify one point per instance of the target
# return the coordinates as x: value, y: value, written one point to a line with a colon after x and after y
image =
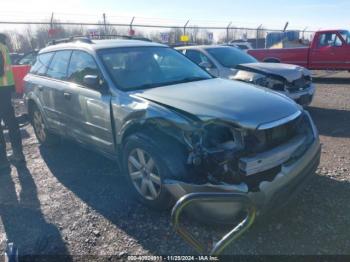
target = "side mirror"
x: 91, y: 81
x: 205, y: 65
x: 95, y: 82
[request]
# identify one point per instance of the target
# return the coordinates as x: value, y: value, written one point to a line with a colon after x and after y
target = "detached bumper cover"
x: 270, y: 194
x: 303, y: 97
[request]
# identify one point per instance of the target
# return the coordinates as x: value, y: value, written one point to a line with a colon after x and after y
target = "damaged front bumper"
x: 270, y: 194
x: 303, y: 97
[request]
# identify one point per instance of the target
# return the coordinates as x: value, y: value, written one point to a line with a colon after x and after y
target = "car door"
x: 52, y: 91
x: 199, y: 58
x: 328, y: 53
x: 88, y: 108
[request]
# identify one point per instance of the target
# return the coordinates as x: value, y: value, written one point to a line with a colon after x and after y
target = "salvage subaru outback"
x: 174, y: 128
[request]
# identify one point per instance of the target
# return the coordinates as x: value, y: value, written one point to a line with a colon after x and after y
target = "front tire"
x: 42, y: 134
x: 146, y: 164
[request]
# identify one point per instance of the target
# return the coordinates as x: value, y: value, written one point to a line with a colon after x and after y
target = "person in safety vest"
x: 7, y: 114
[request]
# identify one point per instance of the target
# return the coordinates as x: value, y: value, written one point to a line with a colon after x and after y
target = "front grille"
x: 262, y: 140
x: 300, y: 84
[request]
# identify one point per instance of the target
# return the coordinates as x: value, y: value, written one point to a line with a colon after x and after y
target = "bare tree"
x: 174, y: 35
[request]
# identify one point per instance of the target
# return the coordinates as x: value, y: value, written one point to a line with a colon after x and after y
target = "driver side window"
x: 81, y: 65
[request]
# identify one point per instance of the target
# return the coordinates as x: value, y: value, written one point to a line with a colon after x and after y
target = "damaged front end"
x: 298, y: 87
x: 227, y: 158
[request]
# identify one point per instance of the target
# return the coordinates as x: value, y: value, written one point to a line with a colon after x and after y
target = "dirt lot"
x: 72, y: 201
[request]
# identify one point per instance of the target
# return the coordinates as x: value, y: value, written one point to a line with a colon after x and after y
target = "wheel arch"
x: 163, y: 130
x: 272, y: 60
x: 32, y: 103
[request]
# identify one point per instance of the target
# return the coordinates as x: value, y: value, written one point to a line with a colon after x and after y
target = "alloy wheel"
x: 144, y: 174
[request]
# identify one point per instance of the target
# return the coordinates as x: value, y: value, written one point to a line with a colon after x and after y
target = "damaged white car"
x: 231, y: 63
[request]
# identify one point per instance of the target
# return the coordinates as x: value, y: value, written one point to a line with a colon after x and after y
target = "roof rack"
x: 83, y: 39
x: 103, y: 37
x: 88, y: 39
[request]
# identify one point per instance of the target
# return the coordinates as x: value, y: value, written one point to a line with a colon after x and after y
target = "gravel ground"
x: 71, y: 201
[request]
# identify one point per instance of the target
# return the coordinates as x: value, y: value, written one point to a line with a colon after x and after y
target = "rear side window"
x: 329, y: 39
x: 42, y: 64
x: 81, y: 65
x: 59, y: 65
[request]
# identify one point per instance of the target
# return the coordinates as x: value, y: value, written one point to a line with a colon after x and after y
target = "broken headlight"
x: 221, y: 137
x: 272, y: 83
x: 222, y: 145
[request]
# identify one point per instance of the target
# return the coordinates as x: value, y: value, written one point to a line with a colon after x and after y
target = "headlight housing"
x: 260, y: 80
x: 271, y: 83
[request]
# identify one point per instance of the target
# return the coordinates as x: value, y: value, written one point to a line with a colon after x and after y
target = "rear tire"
x: 42, y: 134
x: 147, y: 164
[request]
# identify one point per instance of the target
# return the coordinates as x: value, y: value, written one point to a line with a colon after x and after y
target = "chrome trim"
x: 279, y: 122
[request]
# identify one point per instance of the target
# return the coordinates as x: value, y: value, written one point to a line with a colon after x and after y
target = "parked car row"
x: 173, y: 127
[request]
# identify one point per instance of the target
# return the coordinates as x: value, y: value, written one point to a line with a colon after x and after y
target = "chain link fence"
x: 30, y: 35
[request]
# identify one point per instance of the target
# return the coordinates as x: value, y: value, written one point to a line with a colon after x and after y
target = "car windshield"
x: 135, y: 68
x: 346, y: 36
x: 230, y: 56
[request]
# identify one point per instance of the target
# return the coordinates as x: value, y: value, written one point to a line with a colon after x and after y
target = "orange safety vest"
x: 7, y: 79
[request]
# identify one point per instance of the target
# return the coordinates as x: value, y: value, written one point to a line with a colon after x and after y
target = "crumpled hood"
x: 233, y: 101
x: 289, y: 72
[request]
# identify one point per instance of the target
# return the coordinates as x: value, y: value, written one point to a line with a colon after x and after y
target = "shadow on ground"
x: 23, y: 221
x: 337, y: 124
x: 95, y: 181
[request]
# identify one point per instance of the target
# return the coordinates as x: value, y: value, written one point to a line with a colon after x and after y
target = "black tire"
x: 169, y: 160
x: 44, y: 137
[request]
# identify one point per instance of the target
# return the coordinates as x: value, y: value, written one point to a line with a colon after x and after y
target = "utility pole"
x: 257, y: 36
x: 227, y: 31
x: 51, y: 26
x: 304, y: 33
x: 185, y: 30
x: 186, y: 26
x: 131, y: 31
x: 105, y: 23
x: 51, y: 21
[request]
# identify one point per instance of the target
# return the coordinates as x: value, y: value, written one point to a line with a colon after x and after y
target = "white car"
x: 231, y: 63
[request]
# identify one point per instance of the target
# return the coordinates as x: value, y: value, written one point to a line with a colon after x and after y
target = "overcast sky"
x: 314, y: 14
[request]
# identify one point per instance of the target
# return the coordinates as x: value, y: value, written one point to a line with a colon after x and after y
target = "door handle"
x: 67, y: 95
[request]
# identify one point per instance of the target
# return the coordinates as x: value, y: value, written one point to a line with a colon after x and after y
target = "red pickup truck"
x: 329, y: 49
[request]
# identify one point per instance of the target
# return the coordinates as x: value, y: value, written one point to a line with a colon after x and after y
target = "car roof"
x: 95, y: 45
x: 201, y: 47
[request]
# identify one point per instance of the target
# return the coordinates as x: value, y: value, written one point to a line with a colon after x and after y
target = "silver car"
x: 174, y: 128
x: 232, y: 63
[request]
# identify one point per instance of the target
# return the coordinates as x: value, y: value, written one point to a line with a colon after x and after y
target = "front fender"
x: 133, y: 113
